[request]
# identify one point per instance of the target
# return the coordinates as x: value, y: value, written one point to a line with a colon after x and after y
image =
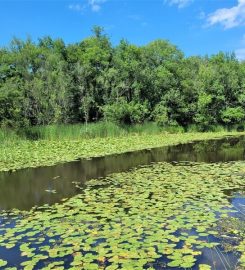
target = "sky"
x: 197, y: 27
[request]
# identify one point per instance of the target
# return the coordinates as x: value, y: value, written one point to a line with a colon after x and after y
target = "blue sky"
x: 195, y: 26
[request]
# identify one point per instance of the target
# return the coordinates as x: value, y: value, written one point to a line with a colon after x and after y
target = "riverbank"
x: 24, y: 154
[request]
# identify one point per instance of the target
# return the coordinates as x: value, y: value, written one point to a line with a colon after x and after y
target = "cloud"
x: 179, y: 3
x: 228, y: 17
x: 94, y: 5
x: 240, y: 54
x: 76, y: 7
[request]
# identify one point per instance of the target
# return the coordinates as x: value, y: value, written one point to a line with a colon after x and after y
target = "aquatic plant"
x: 25, y: 154
x: 161, y: 215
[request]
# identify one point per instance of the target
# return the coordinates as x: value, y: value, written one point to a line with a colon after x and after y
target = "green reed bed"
x: 89, y: 131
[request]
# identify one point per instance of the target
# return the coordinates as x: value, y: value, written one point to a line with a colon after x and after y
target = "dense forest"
x: 49, y: 82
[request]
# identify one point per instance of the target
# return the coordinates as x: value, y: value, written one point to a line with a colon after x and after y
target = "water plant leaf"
x: 120, y: 226
x: 3, y: 263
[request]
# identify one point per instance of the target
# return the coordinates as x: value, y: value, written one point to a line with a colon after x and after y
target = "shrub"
x: 233, y: 115
x: 123, y: 112
x: 160, y: 115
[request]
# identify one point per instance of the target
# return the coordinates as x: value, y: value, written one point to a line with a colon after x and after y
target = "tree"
x: 49, y: 82
x: 233, y: 115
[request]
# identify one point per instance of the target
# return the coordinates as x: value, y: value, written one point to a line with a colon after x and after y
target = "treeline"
x: 50, y: 82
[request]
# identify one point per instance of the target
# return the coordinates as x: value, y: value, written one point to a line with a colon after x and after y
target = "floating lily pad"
x: 119, y: 226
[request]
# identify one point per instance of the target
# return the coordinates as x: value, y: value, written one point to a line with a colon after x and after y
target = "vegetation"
x: 62, y: 102
x: 100, y: 129
x: 17, y: 154
x: 158, y: 216
x: 49, y: 82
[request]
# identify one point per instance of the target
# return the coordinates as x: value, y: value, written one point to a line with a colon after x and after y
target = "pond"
x: 177, y: 207
x: 26, y: 188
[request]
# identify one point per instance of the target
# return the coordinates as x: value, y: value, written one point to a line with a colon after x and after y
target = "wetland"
x: 174, y: 207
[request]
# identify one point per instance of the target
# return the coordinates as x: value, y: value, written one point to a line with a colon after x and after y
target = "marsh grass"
x: 104, y: 129
x: 78, y: 131
x: 100, y: 129
x: 8, y: 136
x: 93, y: 130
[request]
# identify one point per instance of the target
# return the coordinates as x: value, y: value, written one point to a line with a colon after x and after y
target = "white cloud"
x: 229, y: 17
x: 240, y: 54
x: 179, y: 3
x: 76, y: 7
x: 94, y: 5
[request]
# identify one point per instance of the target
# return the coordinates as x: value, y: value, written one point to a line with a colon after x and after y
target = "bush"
x: 174, y: 127
x: 123, y: 112
x: 232, y: 116
x: 160, y: 115
x: 239, y: 128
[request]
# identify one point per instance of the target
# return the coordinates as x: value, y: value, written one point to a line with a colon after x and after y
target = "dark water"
x: 26, y: 188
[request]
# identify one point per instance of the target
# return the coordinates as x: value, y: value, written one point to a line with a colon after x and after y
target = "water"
x: 26, y: 188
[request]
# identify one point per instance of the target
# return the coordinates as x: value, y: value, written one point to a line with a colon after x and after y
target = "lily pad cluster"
x: 25, y: 154
x: 155, y: 217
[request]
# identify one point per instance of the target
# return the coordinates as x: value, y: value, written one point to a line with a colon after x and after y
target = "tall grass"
x: 77, y: 131
x: 94, y: 130
x: 8, y: 136
x: 216, y: 128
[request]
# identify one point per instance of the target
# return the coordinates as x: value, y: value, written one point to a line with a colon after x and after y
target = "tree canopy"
x: 49, y: 82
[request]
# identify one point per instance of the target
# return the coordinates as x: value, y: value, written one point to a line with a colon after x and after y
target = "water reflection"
x: 26, y: 188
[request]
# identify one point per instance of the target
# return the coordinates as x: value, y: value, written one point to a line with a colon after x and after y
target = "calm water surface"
x: 26, y: 188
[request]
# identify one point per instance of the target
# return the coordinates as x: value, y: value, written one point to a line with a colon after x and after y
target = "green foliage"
x: 132, y: 220
x: 233, y: 115
x: 174, y: 127
x: 209, y: 128
x: 64, y: 144
x: 73, y: 132
x: 49, y: 82
x: 124, y: 112
x: 160, y: 115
